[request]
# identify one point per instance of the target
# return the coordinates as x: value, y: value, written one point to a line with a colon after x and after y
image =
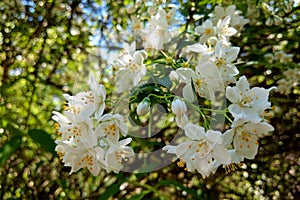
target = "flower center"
x: 208, y: 31
x: 246, y: 100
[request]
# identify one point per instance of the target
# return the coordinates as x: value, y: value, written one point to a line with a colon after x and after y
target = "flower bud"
x: 178, y: 107
x: 181, y: 121
x: 143, y: 108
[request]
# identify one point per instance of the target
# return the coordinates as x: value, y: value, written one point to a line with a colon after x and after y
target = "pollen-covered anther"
x: 110, y: 129
x: 60, y: 155
x: 181, y: 163
x: 56, y: 125
x: 230, y: 168
x: 219, y: 61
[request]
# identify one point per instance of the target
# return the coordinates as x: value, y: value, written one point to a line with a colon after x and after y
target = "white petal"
x: 231, y: 53
x: 228, y: 137
x: 232, y: 94
x: 182, y: 148
x: 186, y: 74
x: 242, y: 84
x: 246, y: 147
x: 230, y: 10
x: 170, y: 149
x: 221, y: 155
x: 198, y: 48
x: 258, y: 128
x: 239, y: 122
x: 125, y: 141
x: 213, y: 136
x: 243, y: 112
x: 194, y: 132
x: 188, y: 93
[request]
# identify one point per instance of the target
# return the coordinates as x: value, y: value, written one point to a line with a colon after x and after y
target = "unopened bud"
x: 178, y: 107
x: 143, y: 108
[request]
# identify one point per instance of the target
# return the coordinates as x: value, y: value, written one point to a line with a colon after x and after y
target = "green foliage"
x: 47, y: 46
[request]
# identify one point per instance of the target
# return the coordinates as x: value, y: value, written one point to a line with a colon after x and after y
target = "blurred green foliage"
x: 45, y: 44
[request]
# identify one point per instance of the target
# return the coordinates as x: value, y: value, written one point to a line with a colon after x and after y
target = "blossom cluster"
x: 291, y: 80
x: 279, y: 56
x: 91, y: 138
x: 206, y: 150
x: 291, y: 76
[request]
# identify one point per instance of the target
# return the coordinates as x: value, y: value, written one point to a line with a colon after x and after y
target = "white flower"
x: 223, y: 30
x: 279, y: 55
x: 157, y: 34
x: 174, y: 76
x: 131, y: 9
x: 293, y: 75
x: 181, y: 120
x: 206, y: 30
x: 136, y: 25
x: 236, y: 21
x: 83, y: 154
x: 60, y: 118
x: 86, y: 103
x: 221, y: 12
x: 269, y: 57
x: 130, y: 70
x: 202, y: 149
x: 284, y: 86
x: 287, y: 58
x: 206, y: 80
x: 245, y: 136
x: 73, y: 130
x: 111, y: 126
x: 77, y: 131
x: 170, y: 16
x: 222, y: 58
x: 247, y: 103
x: 116, y: 153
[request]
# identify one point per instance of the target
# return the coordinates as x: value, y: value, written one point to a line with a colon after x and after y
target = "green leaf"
x: 9, y: 148
x: 13, y: 131
x: 44, y: 139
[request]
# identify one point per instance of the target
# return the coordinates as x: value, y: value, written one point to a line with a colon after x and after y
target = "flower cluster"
x: 279, y: 56
x: 291, y: 76
x: 291, y: 80
x: 90, y: 138
x: 205, y: 151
